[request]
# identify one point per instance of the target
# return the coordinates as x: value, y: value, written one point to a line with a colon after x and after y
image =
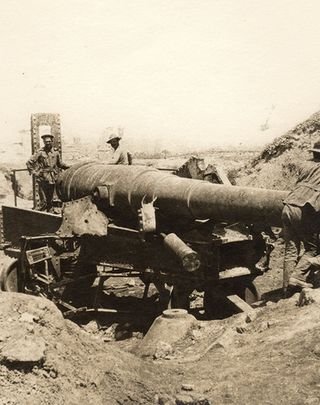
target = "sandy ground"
x: 270, y: 357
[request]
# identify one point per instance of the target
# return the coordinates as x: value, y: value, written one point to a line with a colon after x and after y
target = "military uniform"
x: 301, y: 223
x: 45, y: 165
x: 119, y: 157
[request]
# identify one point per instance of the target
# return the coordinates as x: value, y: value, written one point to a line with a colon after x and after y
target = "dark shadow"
x: 278, y: 294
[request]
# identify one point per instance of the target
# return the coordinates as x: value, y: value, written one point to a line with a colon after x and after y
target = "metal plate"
x: 38, y: 255
x: 17, y: 222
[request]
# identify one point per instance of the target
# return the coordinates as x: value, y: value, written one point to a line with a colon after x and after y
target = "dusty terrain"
x: 269, y: 356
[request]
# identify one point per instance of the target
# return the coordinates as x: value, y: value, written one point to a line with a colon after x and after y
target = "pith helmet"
x: 45, y: 131
x: 316, y: 147
x: 113, y: 136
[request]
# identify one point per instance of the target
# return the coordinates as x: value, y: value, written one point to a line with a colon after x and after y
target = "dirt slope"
x: 271, y: 360
x: 280, y: 162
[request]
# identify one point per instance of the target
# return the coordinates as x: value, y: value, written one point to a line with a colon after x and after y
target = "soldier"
x: 45, y: 165
x: 301, y: 223
x: 119, y: 155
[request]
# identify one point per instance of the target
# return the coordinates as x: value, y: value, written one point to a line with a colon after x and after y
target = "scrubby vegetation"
x: 280, y: 163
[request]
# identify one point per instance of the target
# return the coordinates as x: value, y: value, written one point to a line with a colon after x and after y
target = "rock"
x: 164, y: 400
x: 91, y: 327
x: 162, y: 350
x: 225, y: 340
x: 184, y: 399
x: 187, y: 387
x: 24, y: 350
x: 243, y: 320
x: 26, y: 317
x: 309, y: 296
x: 270, y: 303
x: 196, y: 334
x: 137, y: 335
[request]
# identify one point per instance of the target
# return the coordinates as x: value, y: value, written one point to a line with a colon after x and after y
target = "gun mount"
x: 117, y: 221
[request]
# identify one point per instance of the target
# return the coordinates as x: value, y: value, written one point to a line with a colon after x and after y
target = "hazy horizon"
x: 177, y: 74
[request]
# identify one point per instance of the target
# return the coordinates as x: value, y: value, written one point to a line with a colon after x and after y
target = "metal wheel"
x: 10, y: 278
x: 250, y: 293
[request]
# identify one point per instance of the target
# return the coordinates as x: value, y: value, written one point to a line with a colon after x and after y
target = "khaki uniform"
x: 119, y: 157
x: 45, y: 165
x: 301, y: 223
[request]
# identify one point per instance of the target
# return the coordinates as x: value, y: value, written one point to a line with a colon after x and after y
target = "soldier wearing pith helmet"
x: 119, y: 156
x: 45, y: 165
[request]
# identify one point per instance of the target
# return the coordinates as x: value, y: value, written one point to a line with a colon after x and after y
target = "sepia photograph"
x: 160, y: 202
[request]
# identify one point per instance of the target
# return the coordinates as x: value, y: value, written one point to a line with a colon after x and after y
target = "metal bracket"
x: 105, y: 192
x: 38, y: 255
x: 147, y: 217
x: 82, y: 217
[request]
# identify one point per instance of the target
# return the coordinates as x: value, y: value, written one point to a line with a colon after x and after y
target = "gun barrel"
x: 175, y: 196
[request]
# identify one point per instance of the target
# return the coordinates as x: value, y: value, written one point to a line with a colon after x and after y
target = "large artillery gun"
x: 131, y: 221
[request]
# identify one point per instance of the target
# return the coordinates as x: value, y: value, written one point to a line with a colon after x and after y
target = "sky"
x: 175, y: 74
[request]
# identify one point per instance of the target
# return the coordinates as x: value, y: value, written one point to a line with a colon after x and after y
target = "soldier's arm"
x: 33, y: 163
x: 61, y: 164
x: 304, y: 172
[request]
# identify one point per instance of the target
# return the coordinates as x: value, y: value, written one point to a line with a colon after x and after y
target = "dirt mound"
x: 300, y: 137
x: 273, y: 360
x: 269, y: 356
x: 280, y: 163
x: 45, y: 359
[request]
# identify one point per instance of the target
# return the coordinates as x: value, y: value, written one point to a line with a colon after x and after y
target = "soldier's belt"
x: 48, y: 171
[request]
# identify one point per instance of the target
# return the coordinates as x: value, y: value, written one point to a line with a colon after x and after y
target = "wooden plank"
x: 236, y: 272
x: 222, y: 176
x: 239, y: 303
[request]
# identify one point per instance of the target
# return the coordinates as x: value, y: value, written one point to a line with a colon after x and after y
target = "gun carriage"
x: 131, y: 221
